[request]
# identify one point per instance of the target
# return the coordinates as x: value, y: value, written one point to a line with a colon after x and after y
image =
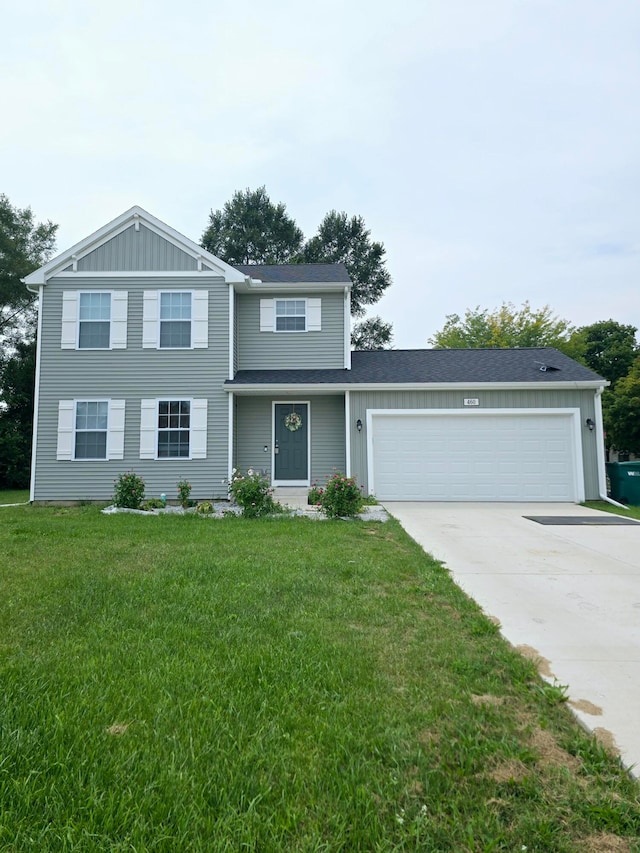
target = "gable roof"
x: 133, y: 217
x: 537, y: 366
x: 296, y: 273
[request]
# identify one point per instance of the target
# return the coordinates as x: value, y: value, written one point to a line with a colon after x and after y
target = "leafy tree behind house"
x: 17, y: 376
x: 504, y: 327
x: 621, y: 408
x: 607, y: 347
x: 251, y: 229
x: 24, y: 246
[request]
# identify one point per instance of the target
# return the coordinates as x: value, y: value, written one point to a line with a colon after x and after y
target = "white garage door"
x: 473, y: 457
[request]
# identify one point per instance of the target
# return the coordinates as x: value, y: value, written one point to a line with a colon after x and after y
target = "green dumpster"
x: 624, y: 478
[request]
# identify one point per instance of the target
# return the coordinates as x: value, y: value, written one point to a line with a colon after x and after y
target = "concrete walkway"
x: 569, y: 595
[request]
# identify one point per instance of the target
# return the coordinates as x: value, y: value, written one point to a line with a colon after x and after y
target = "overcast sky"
x: 491, y: 145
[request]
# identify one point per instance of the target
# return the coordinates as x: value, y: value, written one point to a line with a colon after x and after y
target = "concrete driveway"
x: 569, y: 595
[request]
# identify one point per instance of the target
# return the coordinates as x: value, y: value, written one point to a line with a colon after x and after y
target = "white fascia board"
x: 207, y: 276
x: 255, y: 286
x: 324, y: 387
x: 115, y: 227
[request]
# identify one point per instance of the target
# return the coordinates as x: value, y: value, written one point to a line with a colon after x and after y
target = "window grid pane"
x: 174, y: 421
x: 94, y: 335
x: 91, y: 429
x: 175, y: 306
x: 95, y: 306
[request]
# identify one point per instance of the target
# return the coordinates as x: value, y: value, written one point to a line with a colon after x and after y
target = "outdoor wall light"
x: 359, y: 425
x: 590, y: 424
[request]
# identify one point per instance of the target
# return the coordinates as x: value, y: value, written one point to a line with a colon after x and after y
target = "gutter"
x: 602, y: 475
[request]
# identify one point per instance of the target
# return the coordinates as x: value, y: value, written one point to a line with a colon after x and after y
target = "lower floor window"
x: 174, y: 425
x: 92, y: 418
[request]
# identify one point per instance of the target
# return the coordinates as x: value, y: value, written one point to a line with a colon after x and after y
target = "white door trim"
x: 573, y: 413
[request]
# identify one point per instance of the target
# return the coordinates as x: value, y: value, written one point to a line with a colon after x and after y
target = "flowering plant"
x: 184, y: 490
x: 129, y: 490
x: 293, y: 421
x: 341, y: 497
x: 252, y: 492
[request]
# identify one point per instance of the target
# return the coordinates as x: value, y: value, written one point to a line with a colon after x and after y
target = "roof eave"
x: 278, y: 387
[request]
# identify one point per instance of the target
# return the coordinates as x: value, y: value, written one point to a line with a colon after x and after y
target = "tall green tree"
x: 504, y: 327
x: 17, y: 375
x: 621, y: 408
x: 608, y: 347
x: 372, y: 334
x: 341, y: 239
x: 251, y: 229
x: 24, y: 246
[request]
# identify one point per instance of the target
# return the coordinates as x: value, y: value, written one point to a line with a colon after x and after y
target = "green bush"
x: 341, y: 497
x: 153, y: 503
x: 184, y: 490
x: 314, y: 498
x: 252, y: 492
x: 205, y: 508
x: 129, y: 491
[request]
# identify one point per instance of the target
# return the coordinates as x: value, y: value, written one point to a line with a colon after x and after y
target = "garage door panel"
x: 476, y: 457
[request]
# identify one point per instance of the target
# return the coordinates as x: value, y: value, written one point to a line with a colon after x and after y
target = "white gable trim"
x: 117, y: 226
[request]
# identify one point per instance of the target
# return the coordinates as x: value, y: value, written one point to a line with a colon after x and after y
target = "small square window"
x: 291, y: 315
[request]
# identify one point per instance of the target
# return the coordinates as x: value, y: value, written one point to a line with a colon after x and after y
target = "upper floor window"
x: 94, y: 321
x: 175, y: 320
x: 291, y: 315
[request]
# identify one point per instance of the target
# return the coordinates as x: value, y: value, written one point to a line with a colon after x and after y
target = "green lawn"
x: 183, y: 684
x: 13, y: 496
x: 630, y: 512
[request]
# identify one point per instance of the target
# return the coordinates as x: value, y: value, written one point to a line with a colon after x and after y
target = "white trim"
x: 307, y: 480
x: 150, y: 319
x: 116, y: 429
x: 267, y: 315
x: 347, y: 328
x: 232, y: 330
x: 36, y: 401
x: 313, y: 315
x: 194, y: 274
x: 275, y: 328
x: 200, y: 319
x: 287, y: 287
x: 69, y: 327
x: 198, y: 428
x: 573, y: 413
x: 347, y: 433
x: 602, y: 471
x: 197, y: 425
x: 119, y: 318
x: 230, y: 438
x: 117, y: 226
x: 339, y: 387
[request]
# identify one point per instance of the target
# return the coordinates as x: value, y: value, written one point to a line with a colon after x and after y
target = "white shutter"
x: 66, y: 429
x: 198, y: 439
x: 150, y: 309
x: 200, y: 319
x: 314, y: 315
x: 267, y: 311
x: 148, y: 424
x: 119, y: 302
x: 115, y: 436
x: 69, y: 337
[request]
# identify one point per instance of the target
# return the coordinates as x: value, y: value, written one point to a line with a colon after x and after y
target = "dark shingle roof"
x: 285, y: 273
x: 435, y: 365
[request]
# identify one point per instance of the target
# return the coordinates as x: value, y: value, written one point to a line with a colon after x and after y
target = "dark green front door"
x: 291, y: 463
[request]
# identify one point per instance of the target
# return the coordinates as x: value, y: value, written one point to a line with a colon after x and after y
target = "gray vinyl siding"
x: 132, y: 374
x: 253, y: 430
x: 544, y: 398
x: 283, y: 350
x: 137, y: 251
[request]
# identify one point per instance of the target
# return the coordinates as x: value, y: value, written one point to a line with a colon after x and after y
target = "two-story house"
x: 155, y: 356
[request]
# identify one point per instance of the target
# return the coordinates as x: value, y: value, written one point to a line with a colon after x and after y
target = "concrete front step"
x: 293, y: 496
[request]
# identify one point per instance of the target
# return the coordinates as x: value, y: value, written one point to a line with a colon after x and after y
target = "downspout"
x: 602, y: 475
x: 36, y: 395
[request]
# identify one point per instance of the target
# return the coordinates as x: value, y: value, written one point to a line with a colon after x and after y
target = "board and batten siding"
x: 136, y: 251
x: 285, y: 350
x: 361, y: 401
x: 132, y: 374
x: 253, y: 430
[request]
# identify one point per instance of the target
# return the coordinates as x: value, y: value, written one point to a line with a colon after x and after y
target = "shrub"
x: 153, y: 503
x: 341, y: 497
x: 184, y: 490
x: 315, y: 495
x: 205, y: 508
x: 252, y: 492
x: 129, y: 491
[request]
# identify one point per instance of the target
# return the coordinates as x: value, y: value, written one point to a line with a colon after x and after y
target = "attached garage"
x: 490, y: 455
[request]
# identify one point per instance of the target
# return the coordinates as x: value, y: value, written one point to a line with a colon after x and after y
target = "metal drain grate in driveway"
x: 580, y: 519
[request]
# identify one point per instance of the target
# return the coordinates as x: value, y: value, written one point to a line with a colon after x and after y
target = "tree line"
x: 251, y: 229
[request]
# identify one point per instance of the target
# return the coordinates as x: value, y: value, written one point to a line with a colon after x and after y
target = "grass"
x: 629, y: 512
x: 14, y: 496
x: 177, y: 683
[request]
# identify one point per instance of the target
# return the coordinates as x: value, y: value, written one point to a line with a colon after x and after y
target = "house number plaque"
x: 471, y: 401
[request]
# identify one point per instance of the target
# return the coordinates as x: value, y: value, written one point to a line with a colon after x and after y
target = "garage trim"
x: 573, y: 413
